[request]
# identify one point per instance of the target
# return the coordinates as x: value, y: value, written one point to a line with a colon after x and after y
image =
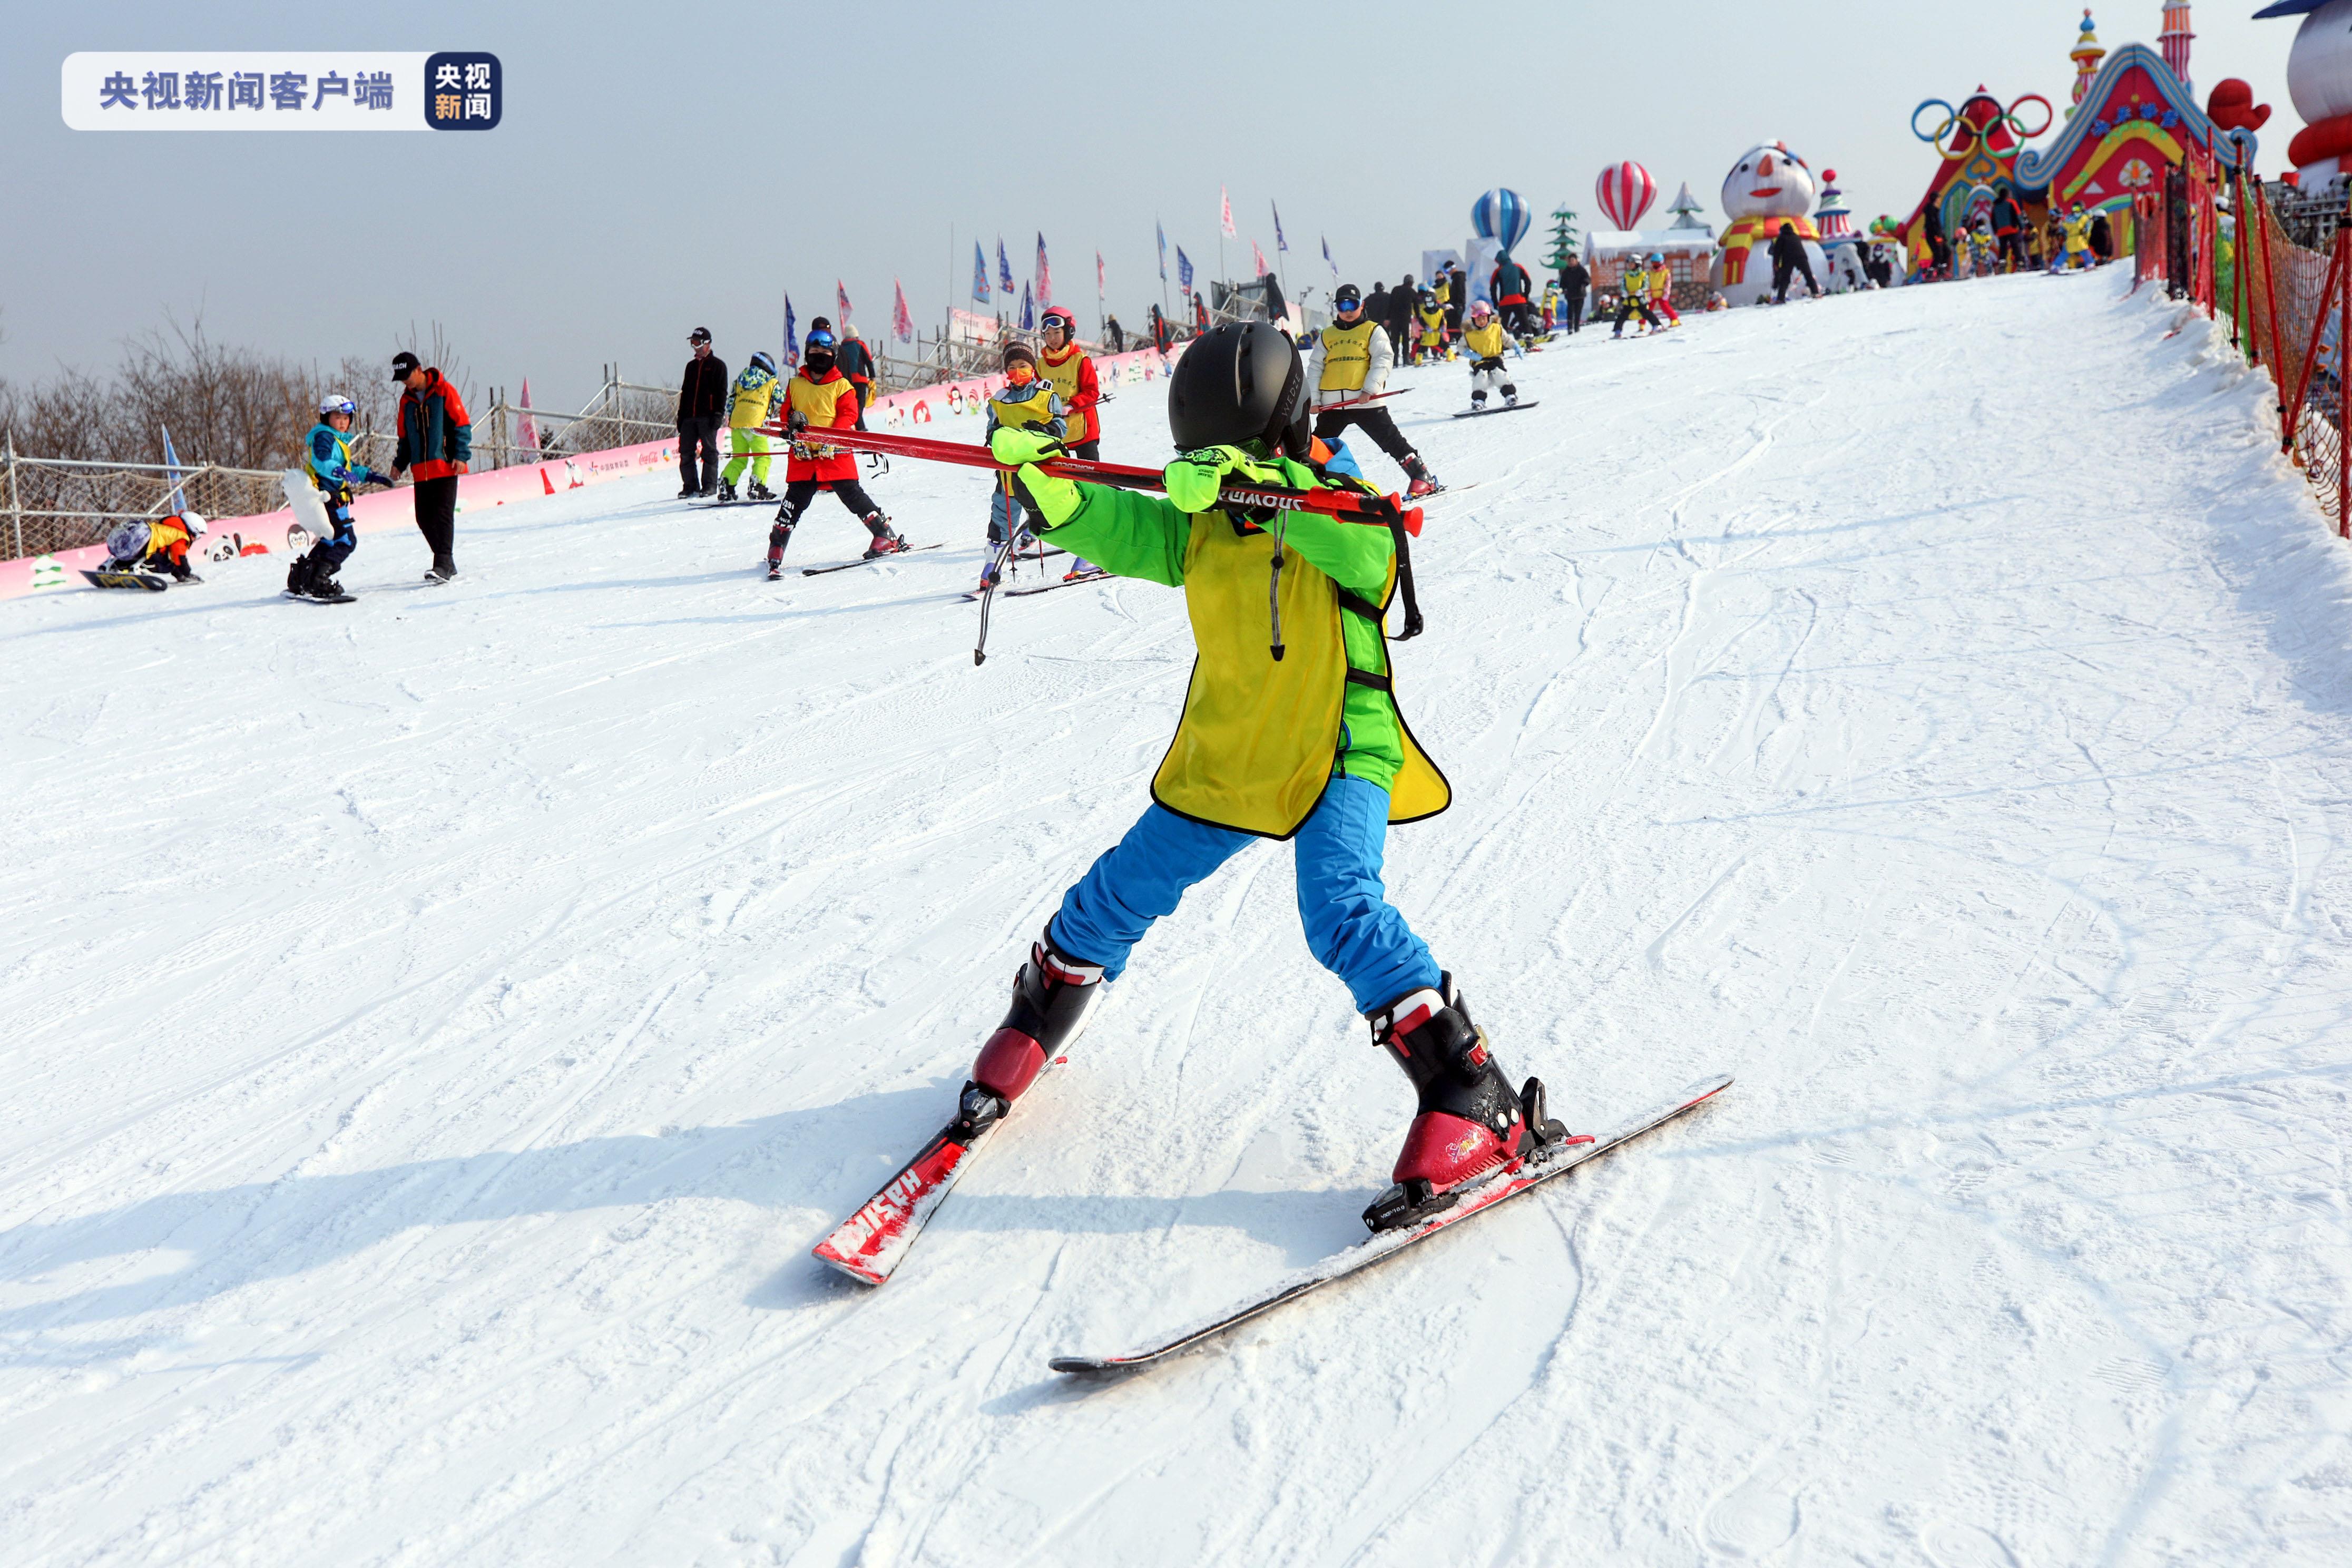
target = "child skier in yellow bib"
x: 1290, y: 730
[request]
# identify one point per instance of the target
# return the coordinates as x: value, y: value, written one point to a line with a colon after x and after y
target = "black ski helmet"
x: 1240, y: 381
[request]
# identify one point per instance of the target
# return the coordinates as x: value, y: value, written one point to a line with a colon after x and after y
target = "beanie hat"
x: 1020, y: 351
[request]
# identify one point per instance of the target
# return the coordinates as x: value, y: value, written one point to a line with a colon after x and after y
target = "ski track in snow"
x: 439, y: 1026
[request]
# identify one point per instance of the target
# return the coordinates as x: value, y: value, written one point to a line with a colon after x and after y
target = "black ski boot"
x: 298, y: 576
x: 887, y: 541
x: 1051, y: 997
x: 759, y: 492
x: 726, y: 491
x: 1468, y: 1123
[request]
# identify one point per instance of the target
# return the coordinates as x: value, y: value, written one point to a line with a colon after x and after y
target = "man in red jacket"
x: 437, y: 438
x: 817, y: 399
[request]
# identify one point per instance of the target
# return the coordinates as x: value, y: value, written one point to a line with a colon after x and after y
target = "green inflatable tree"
x: 1563, y: 238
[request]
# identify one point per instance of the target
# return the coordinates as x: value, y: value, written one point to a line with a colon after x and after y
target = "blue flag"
x: 1279, y: 243
x: 1164, y: 250
x: 1028, y: 313
x: 1003, y: 269
x: 791, y: 333
x: 978, y: 274
x: 172, y: 462
x: 1183, y: 270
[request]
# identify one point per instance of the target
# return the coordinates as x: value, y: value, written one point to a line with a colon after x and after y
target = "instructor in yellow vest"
x: 1349, y: 371
x: 1290, y: 730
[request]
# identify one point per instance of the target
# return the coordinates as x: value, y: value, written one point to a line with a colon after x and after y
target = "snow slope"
x: 439, y: 1026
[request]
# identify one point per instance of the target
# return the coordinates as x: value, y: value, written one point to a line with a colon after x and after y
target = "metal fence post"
x: 16, y: 514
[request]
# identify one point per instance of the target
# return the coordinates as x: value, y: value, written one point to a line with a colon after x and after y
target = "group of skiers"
x: 1645, y: 287
x: 1056, y: 396
x: 2001, y: 236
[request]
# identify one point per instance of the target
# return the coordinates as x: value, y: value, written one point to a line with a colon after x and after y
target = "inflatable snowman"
x: 1768, y: 187
x: 2319, y: 79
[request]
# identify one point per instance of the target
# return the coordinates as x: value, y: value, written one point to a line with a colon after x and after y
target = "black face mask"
x: 820, y: 360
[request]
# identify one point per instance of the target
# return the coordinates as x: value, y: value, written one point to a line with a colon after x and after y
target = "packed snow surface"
x: 439, y: 1026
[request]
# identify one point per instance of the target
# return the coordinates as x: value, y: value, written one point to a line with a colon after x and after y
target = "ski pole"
x: 988, y: 597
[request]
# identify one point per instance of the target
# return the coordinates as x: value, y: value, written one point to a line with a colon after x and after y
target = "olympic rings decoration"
x: 1953, y: 122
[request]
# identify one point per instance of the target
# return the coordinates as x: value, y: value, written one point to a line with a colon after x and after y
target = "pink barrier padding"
x: 376, y: 511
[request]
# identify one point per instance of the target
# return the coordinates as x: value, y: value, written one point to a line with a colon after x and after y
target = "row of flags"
x: 980, y: 291
x: 902, y: 321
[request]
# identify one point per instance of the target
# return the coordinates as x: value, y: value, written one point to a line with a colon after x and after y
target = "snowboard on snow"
x: 1495, y: 1189
x: 1499, y: 408
x: 129, y: 577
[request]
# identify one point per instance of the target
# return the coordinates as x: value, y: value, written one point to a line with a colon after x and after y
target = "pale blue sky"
x: 660, y: 168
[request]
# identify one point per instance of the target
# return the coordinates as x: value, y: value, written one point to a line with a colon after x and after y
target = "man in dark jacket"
x: 856, y: 363
x: 1508, y: 287
x: 1575, y: 282
x: 702, y: 404
x: 1115, y: 334
x: 1399, y: 323
x: 2009, y: 232
x: 1789, y: 257
x: 436, y: 441
x: 1457, y: 300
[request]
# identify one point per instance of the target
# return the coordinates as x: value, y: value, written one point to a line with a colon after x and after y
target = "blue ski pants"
x: 1351, y: 928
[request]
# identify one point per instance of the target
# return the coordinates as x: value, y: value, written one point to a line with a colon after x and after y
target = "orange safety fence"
x: 2295, y: 303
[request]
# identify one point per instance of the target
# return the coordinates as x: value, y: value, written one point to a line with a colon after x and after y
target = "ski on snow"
x: 847, y: 565
x: 1386, y: 1245
x: 870, y: 1244
x: 1060, y: 583
x: 1501, y: 408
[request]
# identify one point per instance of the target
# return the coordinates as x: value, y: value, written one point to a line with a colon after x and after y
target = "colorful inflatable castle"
x: 2136, y: 122
x: 1979, y: 144
x: 2132, y: 120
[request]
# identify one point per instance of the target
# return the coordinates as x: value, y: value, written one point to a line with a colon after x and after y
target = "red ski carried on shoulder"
x: 1381, y: 511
